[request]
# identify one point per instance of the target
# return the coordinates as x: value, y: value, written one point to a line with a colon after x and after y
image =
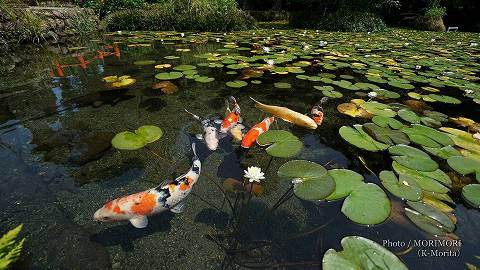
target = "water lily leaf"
x: 149, y: 133
x: 367, y: 204
x: 440, y: 117
x: 433, y: 213
x: 353, y: 110
x: 282, y: 143
x: 356, y: 136
x: 314, y: 181
x: 462, y: 139
x: 361, y: 253
x: 345, y: 182
x: 426, y: 180
x: 282, y: 85
x: 427, y: 136
x: 399, y: 84
x: 169, y: 75
x: 160, y: 66
x: 383, y: 94
x: 444, y: 99
x: 464, y: 165
x: 434, y: 202
x: 409, y: 116
x: 127, y: 140
x: 406, y: 188
x: 462, y: 121
x: 236, y: 84
x: 387, y: 122
x: 378, y: 108
x: 166, y: 87
x: 385, y: 134
x: 413, y: 158
x: 171, y: 57
x: 443, y: 152
x: 204, y: 79
x: 471, y: 194
x: 425, y: 223
x: 144, y: 62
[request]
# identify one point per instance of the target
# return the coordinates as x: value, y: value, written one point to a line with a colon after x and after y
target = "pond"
x: 60, y: 108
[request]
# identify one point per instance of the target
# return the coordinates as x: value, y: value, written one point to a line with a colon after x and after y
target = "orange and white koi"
x: 287, y: 115
x: 233, y: 117
x: 317, y: 112
x: 251, y: 137
x: 210, y: 132
x: 168, y: 197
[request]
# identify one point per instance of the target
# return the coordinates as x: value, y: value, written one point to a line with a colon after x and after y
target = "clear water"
x: 57, y: 168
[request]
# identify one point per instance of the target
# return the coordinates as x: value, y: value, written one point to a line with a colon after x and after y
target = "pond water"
x: 58, y: 116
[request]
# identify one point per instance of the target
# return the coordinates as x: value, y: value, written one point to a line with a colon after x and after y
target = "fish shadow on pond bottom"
x: 125, y: 234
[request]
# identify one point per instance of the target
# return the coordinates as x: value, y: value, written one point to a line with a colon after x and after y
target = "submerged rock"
x: 91, y: 147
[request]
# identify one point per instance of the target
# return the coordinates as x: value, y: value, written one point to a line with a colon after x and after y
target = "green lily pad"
x: 204, y: 79
x: 406, y: 188
x: 282, y: 143
x: 312, y: 180
x: 332, y: 94
x: 428, y: 181
x: 444, y: 99
x: 425, y: 223
x: 171, y: 57
x: 409, y: 116
x: 361, y: 253
x: 387, y: 122
x: 356, y: 136
x: 149, y: 133
x: 433, y: 213
x: 144, y: 62
x: 413, y: 158
x: 385, y: 134
x: 382, y: 93
x: 345, y: 182
x: 471, y: 194
x: 401, y: 85
x: 367, y: 204
x: 378, y: 108
x: 427, y: 136
x: 169, y: 75
x: 443, y: 152
x: 236, y: 84
x: 127, y: 140
x: 464, y: 165
x: 282, y: 85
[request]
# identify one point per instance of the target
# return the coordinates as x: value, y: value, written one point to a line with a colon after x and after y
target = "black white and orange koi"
x: 166, y: 197
x: 233, y: 117
x: 317, y: 112
x: 210, y: 132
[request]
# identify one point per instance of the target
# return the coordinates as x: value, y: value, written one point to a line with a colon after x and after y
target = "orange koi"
x: 232, y: 118
x: 251, y: 137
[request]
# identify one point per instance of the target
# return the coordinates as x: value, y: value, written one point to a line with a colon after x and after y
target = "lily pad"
x: 282, y: 85
x: 144, y: 62
x: 412, y: 158
x: 409, y: 116
x: 345, y: 182
x: 169, y: 75
x: 464, y: 165
x: 433, y: 213
x: 443, y: 152
x: 361, y: 253
x: 428, y: 181
x: 204, y: 79
x: 353, y: 110
x: 471, y: 194
x: 427, y: 136
x: 356, y: 136
x: 236, y: 84
x: 184, y: 67
x: 425, y: 223
x: 127, y: 140
x: 385, y: 134
x: 367, y: 204
x: 387, y: 122
x: 406, y: 188
x: 149, y: 133
x: 444, y: 99
x: 282, y: 143
x: 313, y: 181
x: 378, y: 108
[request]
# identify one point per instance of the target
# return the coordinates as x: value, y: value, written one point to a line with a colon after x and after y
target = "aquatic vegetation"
x: 144, y: 135
x: 10, y: 247
x: 471, y: 193
x: 169, y: 75
x: 166, y: 87
x: 280, y: 143
x: 361, y: 253
x: 119, y: 82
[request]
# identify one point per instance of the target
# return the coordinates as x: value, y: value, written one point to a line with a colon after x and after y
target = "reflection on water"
x: 58, y: 166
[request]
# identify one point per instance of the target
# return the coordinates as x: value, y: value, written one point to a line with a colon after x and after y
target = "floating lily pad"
x: 412, y: 158
x: 387, y: 122
x: 353, y: 110
x: 184, y: 67
x: 367, y: 204
x: 204, y: 79
x: 236, y: 84
x: 429, y: 181
x: 118, y: 82
x: 425, y: 223
x: 356, y: 136
x: 282, y: 143
x: 149, y: 133
x: 409, y: 116
x: 282, y: 85
x: 378, y: 108
x: 427, y: 136
x: 345, y: 182
x: 166, y: 87
x: 144, y: 62
x: 444, y: 99
x: 433, y: 213
x: 314, y: 183
x: 471, y: 194
x: 443, y: 152
x: 361, y: 254
x: 169, y: 75
x: 385, y: 134
x: 405, y: 188
x: 127, y: 140
x: 465, y: 166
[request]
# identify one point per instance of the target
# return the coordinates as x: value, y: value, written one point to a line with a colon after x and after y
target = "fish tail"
x: 194, y: 115
x: 194, y: 151
x: 258, y: 105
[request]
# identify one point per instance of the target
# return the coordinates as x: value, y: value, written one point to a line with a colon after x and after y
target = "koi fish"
x: 287, y: 115
x: 168, y: 197
x: 317, y: 112
x: 210, y: 132
x: 232, y: 118
x: 251, y: 137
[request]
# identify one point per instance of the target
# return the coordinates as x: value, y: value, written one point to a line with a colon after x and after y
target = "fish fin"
x: 254, y: 100
x: 240, y: 119
x: 218, y: 121
x: 240, y: 126
x: 177, y: 209
x: 199, y: 136
x: 222, y: 135
x: 139, y: 222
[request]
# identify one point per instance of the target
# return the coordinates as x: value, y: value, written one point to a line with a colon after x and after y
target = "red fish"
x: 252, y: 135
x: 317, y: 115
x: 232, y: 118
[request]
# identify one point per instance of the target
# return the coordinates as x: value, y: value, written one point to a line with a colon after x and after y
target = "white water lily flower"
x: 468, y: 91
x: 306, y: 47
x: 217, y: 40
x: 476, y: 136
x: 270, y: 62
x: 266, y: 49
x: 372, y: 94
x: 119, y: 32
x: 254, y: 174
x: 182, y: 34
x: 407, y: 43
x: 253, y: 33
x: 432, y: 40
x: 474, y: 44
x: 459, y: 43
x: 418, y: 67
x: 322, y: 43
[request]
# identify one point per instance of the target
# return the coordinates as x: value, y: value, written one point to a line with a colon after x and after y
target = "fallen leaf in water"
x: 166, y: 86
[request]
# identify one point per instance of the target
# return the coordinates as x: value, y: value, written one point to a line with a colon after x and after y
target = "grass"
x: 200, y: 15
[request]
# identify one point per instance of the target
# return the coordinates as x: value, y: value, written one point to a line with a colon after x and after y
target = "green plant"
x: 436, y: 11
x: 10, y: 248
